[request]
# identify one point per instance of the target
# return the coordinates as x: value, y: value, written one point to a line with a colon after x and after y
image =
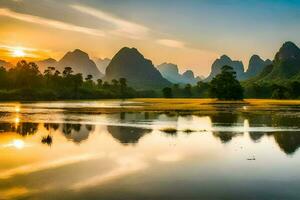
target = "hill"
x: 171, y: 73
x: 140, y: 73
x: 80, y: 63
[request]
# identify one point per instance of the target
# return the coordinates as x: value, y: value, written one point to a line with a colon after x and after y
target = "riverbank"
x: 159, y: 105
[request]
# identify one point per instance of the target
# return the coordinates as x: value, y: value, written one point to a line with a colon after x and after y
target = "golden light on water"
x: 17, y: 120
x: 18, y: 144
x: 17, y: 109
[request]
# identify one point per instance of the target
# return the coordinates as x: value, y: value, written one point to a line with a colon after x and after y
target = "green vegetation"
x: 26, y: 82
x: 225, y: 86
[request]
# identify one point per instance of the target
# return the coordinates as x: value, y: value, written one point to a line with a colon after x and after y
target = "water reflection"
x: 126, y: 133
x: 93, y: 156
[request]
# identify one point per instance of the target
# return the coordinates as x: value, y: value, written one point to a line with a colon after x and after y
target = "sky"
x: 190, y: 33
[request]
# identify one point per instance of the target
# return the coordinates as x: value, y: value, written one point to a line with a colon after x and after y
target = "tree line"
x: 26, y: 82
x: 225, y: 86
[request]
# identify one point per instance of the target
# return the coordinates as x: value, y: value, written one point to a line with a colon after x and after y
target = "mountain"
x: 5, y: 64
x: 80, y: 63
x: 44, y: 64
x: 286, y: 64
x: 171, y: 73
x: 140, y: 73
x: 256, y: 66
x: 222, y: 61
x: 102, y: 64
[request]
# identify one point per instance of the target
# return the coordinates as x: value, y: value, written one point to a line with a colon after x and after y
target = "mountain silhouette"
x: 80, y: 63
x: 140, y: 73
x: 171, y: 73
x: 127, y: 135
x: 286, y: 65
x: 5, y: 64
x: 44, y: 64
x: 222, y: 61
x: 256, y: 66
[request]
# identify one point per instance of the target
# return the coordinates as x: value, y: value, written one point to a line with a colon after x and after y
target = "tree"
x: 188, y: 90
x: 99, y: 83
x: 115, y: 83
x: 25, y: 75
x: 167, y: 92
x: 293, y: 88
x: 202, y: 89
x: 279, y: 92
x: 225, y: 86
x: 67, y: 71
x: 77, y: 81
x: 123, y: 86
x: 3, y: 77
x: 89, y: 77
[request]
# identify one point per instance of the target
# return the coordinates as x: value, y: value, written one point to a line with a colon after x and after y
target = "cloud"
x: 171, y: 43
x: 49, y: 22
x: 123, y: 27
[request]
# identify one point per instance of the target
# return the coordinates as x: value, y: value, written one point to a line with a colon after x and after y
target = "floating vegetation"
x: 188, y: 130
x: 169, y: 130
x: 47, y: 140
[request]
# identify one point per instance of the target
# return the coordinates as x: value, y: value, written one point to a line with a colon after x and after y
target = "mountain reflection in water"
x: 288, y: 139
x: 133, y: 155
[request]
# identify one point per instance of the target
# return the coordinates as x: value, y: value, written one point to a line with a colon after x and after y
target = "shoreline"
x: 180, y: 105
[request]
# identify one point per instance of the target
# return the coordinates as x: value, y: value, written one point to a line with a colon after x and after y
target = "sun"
x: 18, y: 52
x: 19, y: 144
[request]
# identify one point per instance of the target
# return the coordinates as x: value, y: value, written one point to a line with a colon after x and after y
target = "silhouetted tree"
x: 89, y: 77
x: 188, y: 90
x: 123, y: 86
x: 99, y: 83
x: 225, y: 86
x: 167, y: 92
x: 67, y: 71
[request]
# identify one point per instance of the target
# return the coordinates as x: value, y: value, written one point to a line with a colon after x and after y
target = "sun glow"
x: 18, y: 52
x: 18, y: 144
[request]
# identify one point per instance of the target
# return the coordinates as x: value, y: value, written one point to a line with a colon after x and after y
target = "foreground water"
x: 61, y: 151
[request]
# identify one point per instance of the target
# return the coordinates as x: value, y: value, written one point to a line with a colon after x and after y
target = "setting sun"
x: 18, y: 52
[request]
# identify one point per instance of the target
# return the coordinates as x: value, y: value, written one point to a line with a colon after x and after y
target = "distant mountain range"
x: 5, y: 64
x: 44, y: 64
x: 102, y: 64
x: 80, y: 63
x: 171, y: 73
x: 140, y: 73
x: 255, y: 67
x: 78, y: 60
x: 222, y: 61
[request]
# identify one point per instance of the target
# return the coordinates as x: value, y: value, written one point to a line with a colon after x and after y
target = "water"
x: 225, y: 152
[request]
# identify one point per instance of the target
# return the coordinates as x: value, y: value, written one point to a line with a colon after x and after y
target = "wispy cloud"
x: 49, y: 22
x: 123, y: 27
x: 171, y: 43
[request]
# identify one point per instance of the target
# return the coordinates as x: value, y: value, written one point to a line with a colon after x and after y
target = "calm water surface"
x: 59, y: 150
